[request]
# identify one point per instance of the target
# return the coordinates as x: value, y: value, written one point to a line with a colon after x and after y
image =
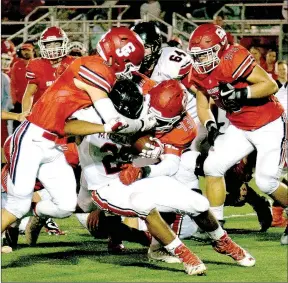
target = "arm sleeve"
x: 238, y: 63
x: 167, y: 167
x: 33, y: 74
x: 96, y: 74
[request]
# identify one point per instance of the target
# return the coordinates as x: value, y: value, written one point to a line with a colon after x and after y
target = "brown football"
x: 140, y: 143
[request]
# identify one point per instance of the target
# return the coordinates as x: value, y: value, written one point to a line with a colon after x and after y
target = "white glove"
x: 149, y: 121
x: 153, y: 151
x: 115, y: 125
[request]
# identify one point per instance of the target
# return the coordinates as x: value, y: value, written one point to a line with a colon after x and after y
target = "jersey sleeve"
x: 33, y: 72
x: 238, y: 63
x: 96, y: 73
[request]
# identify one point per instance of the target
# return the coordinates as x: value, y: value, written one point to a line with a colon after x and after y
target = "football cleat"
x: 278, y: 218
x: 33, y: 229
x: 284, y: 237
x: 226, y: 246
x: 115, y: 248
x: 192, y: 264
x: 159, y: 253
x: 52, y: 228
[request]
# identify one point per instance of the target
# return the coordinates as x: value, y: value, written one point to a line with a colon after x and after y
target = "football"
x: 141, y: 142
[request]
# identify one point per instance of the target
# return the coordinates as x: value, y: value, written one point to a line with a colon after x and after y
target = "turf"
x: 78, y: 257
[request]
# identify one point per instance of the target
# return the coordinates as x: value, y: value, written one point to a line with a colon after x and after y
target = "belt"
x: 50, y: 136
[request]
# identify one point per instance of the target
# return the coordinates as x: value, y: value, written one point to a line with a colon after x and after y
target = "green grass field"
x: 78, y: 257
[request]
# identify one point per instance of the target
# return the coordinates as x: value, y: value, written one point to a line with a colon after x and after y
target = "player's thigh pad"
x: 228, y: 149
x: 186, y: 172
x: 58, y: 179
x: 268, y: 141
x: 167, y: 195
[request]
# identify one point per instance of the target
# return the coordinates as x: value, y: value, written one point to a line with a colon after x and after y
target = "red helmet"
x: 123, y: 49
x: 206, y: 45
x: 53, y: 34
x: 8, y: 50
x: 168, y: 101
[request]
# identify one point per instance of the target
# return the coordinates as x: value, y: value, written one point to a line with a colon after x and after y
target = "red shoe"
x: 192, y: 263
x: 227, y: 247
x: 278, y: 218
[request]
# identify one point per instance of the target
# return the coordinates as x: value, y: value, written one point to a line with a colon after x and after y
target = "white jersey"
x: 175, y: 63
x: 98, y: 153
x: 283, y: 96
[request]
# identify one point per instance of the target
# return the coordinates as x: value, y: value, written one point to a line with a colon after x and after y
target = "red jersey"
x: 180, y: 137
x: 235, y: 65
x: 18, y: 80
x: 41, y: 72
x: 63, y: 98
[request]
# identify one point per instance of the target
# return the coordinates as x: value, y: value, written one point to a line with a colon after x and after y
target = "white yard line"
x: 239, y: 215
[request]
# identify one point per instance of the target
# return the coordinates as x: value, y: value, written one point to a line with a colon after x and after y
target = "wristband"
x: 249, y: 95
x: 208, y: 123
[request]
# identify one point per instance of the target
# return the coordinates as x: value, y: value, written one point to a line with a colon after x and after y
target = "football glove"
x: 129, y: 174
x: 232, y: 98
x: 154, y: 151
x: 115, y: 125
x: 213, y: 132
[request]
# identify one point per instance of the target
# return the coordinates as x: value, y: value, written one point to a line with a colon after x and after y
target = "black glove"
x: 233, y: 99
x: 213, y: 132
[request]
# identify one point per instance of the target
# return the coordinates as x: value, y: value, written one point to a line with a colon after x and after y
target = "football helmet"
x: 151, y: 36
x: 168, y: 101
x: 8, y: 51
x: 206, y: 45
x: 175, y: 42
x: 127, y: 98
x: 53, y: 34
x: 123, y: 49
x: 77, y: 48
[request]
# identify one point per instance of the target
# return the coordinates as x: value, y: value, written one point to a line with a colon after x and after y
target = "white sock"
x: 218, y: 211
x: 173, y: 245
x: 82, y: 217
x: 154, y: 243
x: 216, y: 234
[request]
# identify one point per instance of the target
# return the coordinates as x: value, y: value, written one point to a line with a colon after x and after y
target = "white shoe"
x: 284, y: 237
x: 161, y: 254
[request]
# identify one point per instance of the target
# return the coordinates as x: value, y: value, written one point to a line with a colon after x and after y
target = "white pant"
x: 236, y: 144
x: 163, y: 193
x: 33, y: 156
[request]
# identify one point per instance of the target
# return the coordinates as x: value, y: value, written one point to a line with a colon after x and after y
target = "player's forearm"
x: 82, y: 128
x: 261, y: 84
x: 28, y: 97
x: 9, y: 115
x: 263, y: 89
x: 205, y: 115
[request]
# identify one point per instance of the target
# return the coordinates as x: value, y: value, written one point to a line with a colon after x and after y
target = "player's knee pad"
x: 267, y: 184
x: 213, y: 166
x: 199, y: 204
x: 18, y: 206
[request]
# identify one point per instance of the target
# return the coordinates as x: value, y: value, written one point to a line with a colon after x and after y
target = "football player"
x: 230, y: 76
x: 101, y: 165
x: 42, y: 72
x: 85, y: 82
x: 175, y: 130
x: 166, y: 63
x: 8, y: 53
